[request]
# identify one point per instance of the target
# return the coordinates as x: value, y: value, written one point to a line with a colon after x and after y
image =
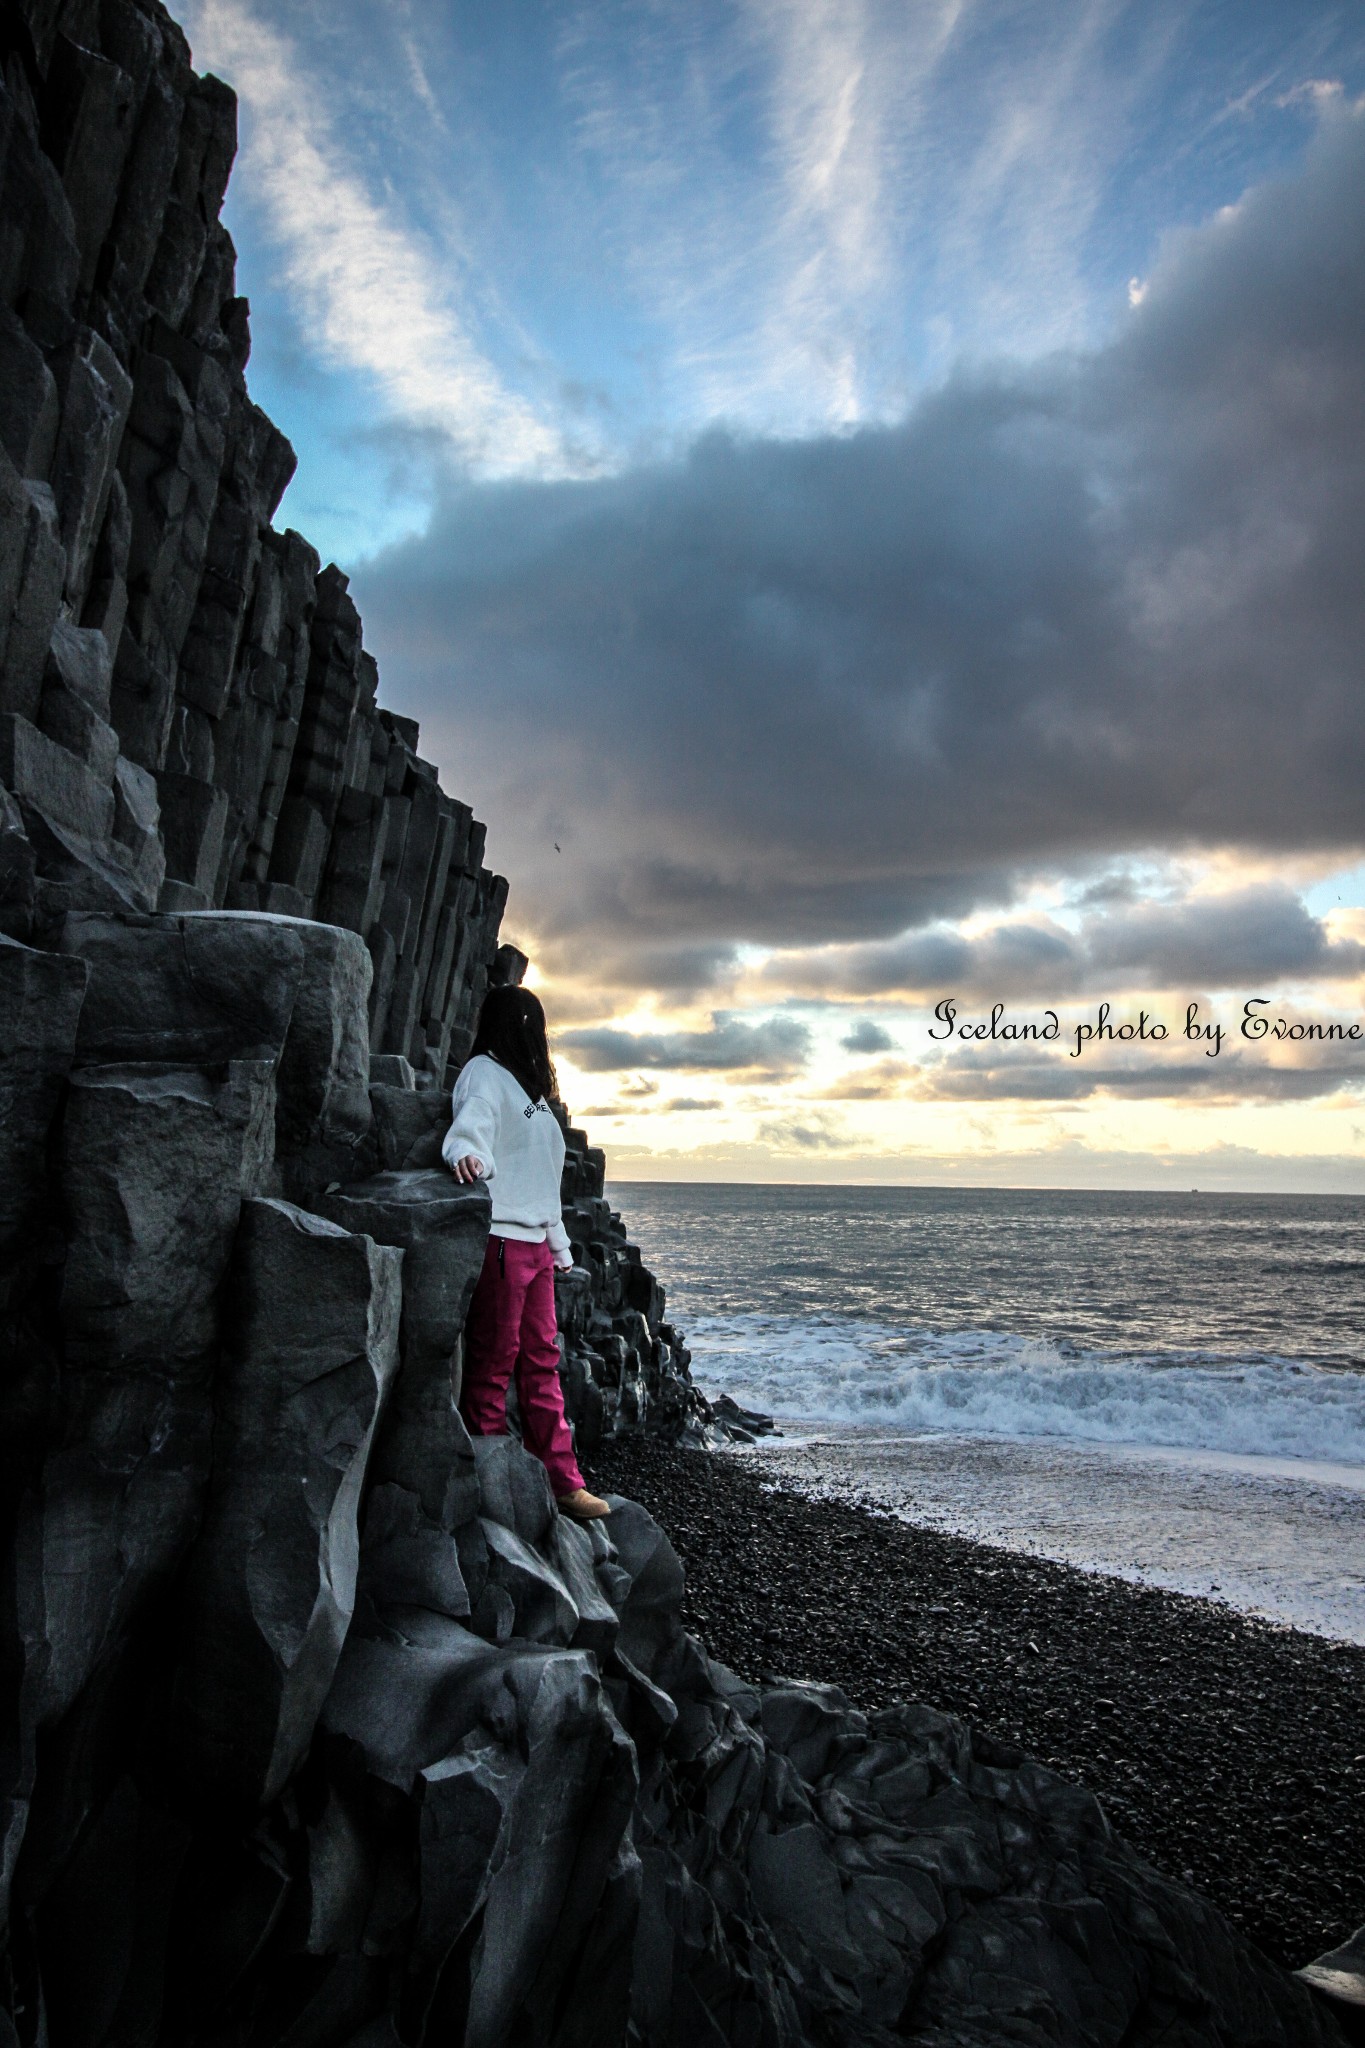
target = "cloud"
x: 1072, y: 1164
x: 1246, y: 938
x: 1232, y: 1077
x: 823, y: 691
x: 787, y: 1135
x: 821, y: 198
x: 1317, y: 92
x: 688, y: 1103
x: 865, y: 1036
x: 774, y: 1047
x: 884, y: 1082
x: 372, y: 293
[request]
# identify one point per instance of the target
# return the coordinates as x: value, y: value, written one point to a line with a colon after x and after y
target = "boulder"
x: 514, y: 1489
x: 74, y: 708
x: 18, y: 872
x: 325, y: 1072
x: 40, y: 1006
x: 96, y: 392
x: 543, y: 1609
x: 53, y: 787
x: 155, y: 1161
x: 107, y: 1523
x: 420, y: 1534
x: 28, y: 400
x: 137, y: 826
x: 310, y: 1348
x: 32, y: 571
x: 191, y: 990
x: 1338, y: 1977
x: 526, y: 1783
x: 566, y: 1801
x: 650, y: 1611
x: 409, y: 1122
x: 407, y: 1560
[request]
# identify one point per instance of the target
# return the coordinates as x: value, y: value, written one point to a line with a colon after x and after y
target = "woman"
x: 504, y: 1131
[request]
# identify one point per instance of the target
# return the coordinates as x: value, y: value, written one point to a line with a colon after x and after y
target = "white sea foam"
x: 989, y: 1384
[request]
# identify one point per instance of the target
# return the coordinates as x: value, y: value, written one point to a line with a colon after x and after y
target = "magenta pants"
x: 512, y: 1329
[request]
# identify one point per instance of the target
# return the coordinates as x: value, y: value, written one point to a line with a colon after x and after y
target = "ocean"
x: 1167, y: 1387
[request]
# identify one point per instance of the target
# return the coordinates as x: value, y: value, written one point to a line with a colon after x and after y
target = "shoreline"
x: 1229, y: 1751
x: 1276, y: 1539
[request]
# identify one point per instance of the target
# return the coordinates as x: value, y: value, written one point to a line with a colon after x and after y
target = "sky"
x: 868, y: 501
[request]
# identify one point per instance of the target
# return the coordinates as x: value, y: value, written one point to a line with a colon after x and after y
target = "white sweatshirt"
x: 522, y: 1149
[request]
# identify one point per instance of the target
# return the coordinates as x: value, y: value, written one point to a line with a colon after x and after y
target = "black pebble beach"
x: 1229, y: 1752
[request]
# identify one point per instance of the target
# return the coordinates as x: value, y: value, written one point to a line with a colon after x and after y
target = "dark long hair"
x: 512, y: 1031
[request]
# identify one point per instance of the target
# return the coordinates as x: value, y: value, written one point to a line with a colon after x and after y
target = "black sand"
x: 1229, y: 1752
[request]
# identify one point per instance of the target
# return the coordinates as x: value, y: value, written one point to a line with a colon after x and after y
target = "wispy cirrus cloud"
x: 375, y: 296
x: 826, y: 199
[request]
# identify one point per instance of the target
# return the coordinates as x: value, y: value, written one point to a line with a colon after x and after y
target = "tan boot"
x: 582, y: 1506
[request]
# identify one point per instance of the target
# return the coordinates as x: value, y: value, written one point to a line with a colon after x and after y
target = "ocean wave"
x: 988, y: 1383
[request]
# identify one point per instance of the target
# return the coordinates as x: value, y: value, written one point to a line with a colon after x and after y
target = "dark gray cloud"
x: 773, y: 1047
x: 803, y: 692
x: 692, y: 1102
x: 788, y: 1135
x: 1231, y: 1077
x: 1245, y: 938
x: 866, y: 1036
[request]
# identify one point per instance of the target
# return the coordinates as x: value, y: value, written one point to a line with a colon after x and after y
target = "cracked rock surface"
x: 1230, y: 1752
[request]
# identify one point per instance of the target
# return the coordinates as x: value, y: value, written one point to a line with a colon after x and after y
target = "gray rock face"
x: 788, y: 1869
x: 40, y: 1005
x: 1340, y: 1978
x: 325, y: 1070
x: 425, y: 1486
x: 186, y: 991
x: 526, y: 1784
x: 149, y: 614
x: 311, y: 1345
x: 58, y: 791
x: 33, y: 574
x: 18, y: 872
x: 409, y: 1124
x: 624, y: 1367
x: 106, y: 1524
x: 155, y: 1162
x: 441, y: 1228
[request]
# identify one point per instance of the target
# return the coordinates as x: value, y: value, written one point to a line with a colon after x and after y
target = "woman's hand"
x: 564, y: 1261
x: 470, y: 1167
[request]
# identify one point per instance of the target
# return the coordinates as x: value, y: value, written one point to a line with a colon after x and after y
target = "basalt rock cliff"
x: 318, y: 1724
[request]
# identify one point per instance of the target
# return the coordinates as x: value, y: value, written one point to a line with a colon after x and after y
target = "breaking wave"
x: 987, y: 1383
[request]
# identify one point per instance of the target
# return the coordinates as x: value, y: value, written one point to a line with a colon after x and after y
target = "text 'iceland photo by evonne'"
x: 712, y: 1391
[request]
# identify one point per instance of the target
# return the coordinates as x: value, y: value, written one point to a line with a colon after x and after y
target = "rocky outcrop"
x: 321, y: 1727
x: 188, y: 715
x: 624, y: 1366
